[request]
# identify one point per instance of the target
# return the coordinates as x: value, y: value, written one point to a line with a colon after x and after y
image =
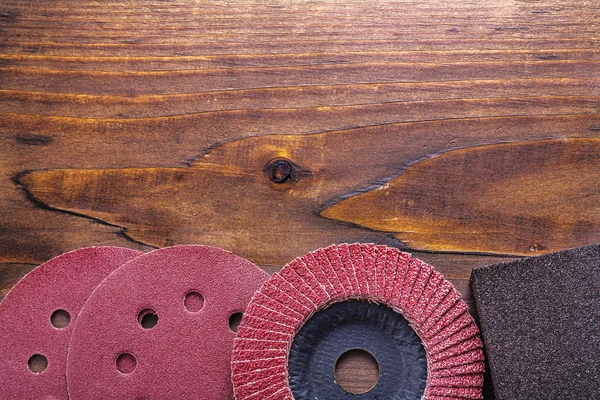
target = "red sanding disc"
x: 310, y: 284
x: 159, y: 327
x: 37, y: 318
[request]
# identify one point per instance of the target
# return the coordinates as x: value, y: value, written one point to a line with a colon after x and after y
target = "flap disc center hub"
x: 351, y: 325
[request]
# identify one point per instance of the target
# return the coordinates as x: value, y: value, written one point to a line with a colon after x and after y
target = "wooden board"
x: 259, y: 127
x: 274, y: 128
x: 520, y: 198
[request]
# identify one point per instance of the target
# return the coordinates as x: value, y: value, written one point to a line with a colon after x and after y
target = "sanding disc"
x: 37, y: 318
x: 159, y: 327
x: 374, y: 298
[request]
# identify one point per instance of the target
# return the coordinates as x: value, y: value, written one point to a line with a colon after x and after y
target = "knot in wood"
x: 279, y: 170
x: 282, y: 170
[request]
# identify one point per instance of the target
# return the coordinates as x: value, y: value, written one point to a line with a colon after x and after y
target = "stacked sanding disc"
x: 112, y: 323
x: 291, y: 317
x: 37, y: 318
x: 189, y: 294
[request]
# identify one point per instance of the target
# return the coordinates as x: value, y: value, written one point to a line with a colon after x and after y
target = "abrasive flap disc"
x: 540, y: 320
x: 37, y: 318
x: 160, y: 327
x: 359, y: 296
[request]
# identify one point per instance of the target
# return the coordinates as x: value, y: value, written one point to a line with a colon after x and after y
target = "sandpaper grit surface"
x: 540, y: 322
x: 184, y: 350
x: 349, y: 296
x: 37, y: 318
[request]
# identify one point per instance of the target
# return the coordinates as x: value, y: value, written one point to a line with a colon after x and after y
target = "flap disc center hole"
x: 356, y: 371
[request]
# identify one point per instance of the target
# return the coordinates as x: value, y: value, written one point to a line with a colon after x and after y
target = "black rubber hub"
x: 356, y: 324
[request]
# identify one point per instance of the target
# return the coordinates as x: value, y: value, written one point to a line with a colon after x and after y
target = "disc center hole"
x: 356, y: 371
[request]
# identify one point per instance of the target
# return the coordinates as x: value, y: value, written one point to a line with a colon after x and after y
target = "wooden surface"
x: 273, y: 128
x: 518, y: 198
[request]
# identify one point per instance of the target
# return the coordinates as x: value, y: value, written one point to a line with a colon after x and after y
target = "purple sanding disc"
x: 159, y: 327
x: 37, y: 318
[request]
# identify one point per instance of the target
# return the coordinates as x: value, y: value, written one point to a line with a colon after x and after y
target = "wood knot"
x: 282, y: 170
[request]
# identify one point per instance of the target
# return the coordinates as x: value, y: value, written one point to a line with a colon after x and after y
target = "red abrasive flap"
x: 309, y: 285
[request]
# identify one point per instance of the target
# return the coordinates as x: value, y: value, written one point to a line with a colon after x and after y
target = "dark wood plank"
x: 517, y: 198
x: 103, y: 107
x: 107, y: 94
x: 170, y: 63
x: 182, y: 81
x: 271, y: 222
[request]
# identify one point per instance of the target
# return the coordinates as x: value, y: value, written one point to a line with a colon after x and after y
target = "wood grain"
x: 102, y: 107
x: 145, y: 124
x: 514, y: 198
x: 245, y: 124
x: 166, y: 206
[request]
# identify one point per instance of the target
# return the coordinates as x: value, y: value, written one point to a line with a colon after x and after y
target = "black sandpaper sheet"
x: 540, y: 319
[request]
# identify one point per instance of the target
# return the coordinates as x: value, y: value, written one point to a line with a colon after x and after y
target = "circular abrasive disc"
x: 37, y: 318
x: 159, y: 327
x: 295, y: 327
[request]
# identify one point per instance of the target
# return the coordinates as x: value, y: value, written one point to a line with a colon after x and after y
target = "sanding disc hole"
x: 148, y: 318
x: 235, y: 320
x: 126, y: 363
x: 37, y: 363
x: 356, y: 371
x: 193, y: 302
x: 60, y: 319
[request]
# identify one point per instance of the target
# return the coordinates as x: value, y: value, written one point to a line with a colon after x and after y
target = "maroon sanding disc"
x: 159, y: 327
x: 37, y: 318
x: 311, y: 284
